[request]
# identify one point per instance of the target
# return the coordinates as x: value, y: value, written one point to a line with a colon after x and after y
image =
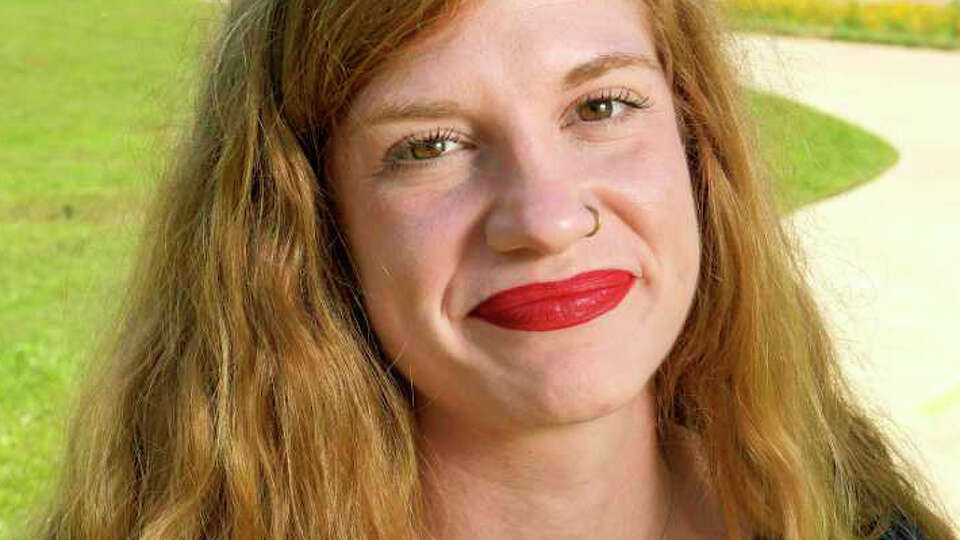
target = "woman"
x: 498, y: 269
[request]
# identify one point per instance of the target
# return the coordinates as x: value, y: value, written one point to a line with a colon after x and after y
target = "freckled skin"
x: 505, y: 207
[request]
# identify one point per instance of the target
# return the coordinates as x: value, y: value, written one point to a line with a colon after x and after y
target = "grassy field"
x: 91, y: 91
x: 814, y: 155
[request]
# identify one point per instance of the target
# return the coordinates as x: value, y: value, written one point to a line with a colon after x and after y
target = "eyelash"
x: 447, y: 134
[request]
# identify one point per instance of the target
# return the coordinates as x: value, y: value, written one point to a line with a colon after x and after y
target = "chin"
x: 581, y: 374
x: 574, y: 391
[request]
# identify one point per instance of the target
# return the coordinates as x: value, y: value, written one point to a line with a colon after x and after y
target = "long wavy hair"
x: 243, y: 394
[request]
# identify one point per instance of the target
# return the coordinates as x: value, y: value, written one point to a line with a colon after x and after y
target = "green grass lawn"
x: 813, y: 155
x: 91, y: 89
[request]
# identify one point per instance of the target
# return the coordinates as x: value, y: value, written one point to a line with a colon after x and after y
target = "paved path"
x: 885, y: 258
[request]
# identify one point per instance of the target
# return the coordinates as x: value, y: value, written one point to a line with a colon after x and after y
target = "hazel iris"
x: 596, y: 110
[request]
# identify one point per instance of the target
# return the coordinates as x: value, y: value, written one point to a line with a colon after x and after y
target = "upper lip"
x: 538, y: 291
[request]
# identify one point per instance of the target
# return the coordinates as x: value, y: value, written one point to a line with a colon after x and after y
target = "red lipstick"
x: 553, y: 305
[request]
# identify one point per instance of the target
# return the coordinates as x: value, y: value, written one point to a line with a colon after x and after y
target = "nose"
x: 538, y: 208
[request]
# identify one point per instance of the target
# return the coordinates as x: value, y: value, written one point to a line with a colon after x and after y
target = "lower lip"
x: 562, y: 311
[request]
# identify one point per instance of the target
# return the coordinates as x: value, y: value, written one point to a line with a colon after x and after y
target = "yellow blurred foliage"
x: 878, y: 16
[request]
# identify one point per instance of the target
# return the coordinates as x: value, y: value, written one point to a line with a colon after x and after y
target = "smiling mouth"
x: 542, y: 307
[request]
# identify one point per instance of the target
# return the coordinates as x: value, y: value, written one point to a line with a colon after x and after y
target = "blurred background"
x: 857, y: 109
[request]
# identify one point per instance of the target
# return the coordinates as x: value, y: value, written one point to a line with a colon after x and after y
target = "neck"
x: 603, y: 478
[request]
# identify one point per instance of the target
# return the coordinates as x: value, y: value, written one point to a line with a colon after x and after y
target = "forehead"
x: 511, y: 43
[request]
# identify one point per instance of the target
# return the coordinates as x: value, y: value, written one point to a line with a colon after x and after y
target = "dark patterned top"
x: 902, y: 529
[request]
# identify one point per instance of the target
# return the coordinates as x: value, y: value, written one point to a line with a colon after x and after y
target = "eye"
x: 424, y: 147
x: 603, y: 106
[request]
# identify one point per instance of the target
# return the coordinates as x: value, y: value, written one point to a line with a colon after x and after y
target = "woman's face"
x: 464, y: 170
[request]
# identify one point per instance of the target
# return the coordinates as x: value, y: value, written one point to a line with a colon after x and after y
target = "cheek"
x: 648, y: 185
x: 406, y: 250
x: 651, y: 183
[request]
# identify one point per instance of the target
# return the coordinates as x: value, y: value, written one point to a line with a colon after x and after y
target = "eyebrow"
x: 578, y: 75
x: 603, y: 63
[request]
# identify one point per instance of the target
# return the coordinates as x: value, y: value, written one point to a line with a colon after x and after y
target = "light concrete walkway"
x: 885, y: 258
